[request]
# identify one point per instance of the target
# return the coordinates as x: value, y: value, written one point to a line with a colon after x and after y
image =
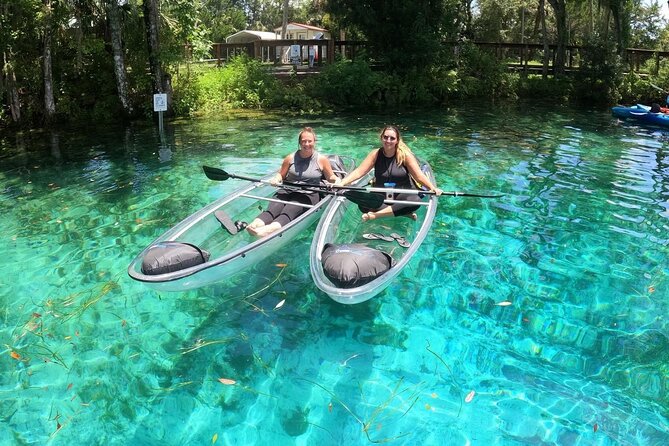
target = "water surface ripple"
x: 535, y: 318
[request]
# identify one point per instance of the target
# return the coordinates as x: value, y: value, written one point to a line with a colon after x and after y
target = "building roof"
x: 293, y: 25
x: 246, y: 36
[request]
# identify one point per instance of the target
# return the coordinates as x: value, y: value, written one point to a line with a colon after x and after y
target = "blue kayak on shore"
x: 642, y: 114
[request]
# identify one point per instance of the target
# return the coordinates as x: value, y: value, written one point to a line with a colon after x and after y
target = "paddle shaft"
x: 361, y: 198
x: 411, y: 191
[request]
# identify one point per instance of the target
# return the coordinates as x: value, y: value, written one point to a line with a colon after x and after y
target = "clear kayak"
x: 368, y: 255
x: 203, y: 249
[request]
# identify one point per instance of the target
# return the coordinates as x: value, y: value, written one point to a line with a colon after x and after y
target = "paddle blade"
x: 216, y: 174
x: 363, y: 199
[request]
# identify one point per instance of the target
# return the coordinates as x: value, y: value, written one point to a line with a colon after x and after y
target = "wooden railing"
x: 517, y: 56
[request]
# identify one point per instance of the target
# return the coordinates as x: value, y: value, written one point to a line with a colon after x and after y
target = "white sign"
x: 295, y: 54
x: 160, y: 102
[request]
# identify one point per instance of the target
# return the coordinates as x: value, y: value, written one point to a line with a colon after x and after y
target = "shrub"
x: 348, y: 83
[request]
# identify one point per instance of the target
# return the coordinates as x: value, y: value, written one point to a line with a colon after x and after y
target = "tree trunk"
x: 47, y: 71
x: 560, y: 9
x: 617, y: 27
x: 8, y: 79
x: 151, y: 20
x: 114, y: 15
x: 544, y: 38
x: 284, y: 25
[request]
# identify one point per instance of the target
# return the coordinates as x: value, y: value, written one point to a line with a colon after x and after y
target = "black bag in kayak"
x: 350, y: 266
x: 166, y: 257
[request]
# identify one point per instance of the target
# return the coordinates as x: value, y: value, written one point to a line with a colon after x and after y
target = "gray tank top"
x: 305, y: 170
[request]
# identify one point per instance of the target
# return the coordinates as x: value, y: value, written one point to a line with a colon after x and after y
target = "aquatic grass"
x: 380, y: 412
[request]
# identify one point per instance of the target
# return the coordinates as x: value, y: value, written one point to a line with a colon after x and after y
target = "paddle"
x: 360, y: 197
x: 413, y: 191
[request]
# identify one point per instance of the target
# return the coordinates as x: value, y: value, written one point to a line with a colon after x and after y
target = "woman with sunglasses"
x: 305, y: 166
x: 394, y: 166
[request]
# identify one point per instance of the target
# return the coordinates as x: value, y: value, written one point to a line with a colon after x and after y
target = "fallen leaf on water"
x: 280, y: 304
x: 505, y: 303
x: 67, y: 338
x: 15, y: 355
x: 595, y: 427
x: 348, y: 359
x: 281, y: 265
x: 214, y: 438
x: 227, y: 382
x: 651, y: 289
x: 470, y: 396
x: 428, y: 407
x: 36, y: 315
x: 69, y: 386
x: 434, y: 395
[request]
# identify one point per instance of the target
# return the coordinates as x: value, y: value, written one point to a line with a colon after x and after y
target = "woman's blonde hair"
x: 401, y: 149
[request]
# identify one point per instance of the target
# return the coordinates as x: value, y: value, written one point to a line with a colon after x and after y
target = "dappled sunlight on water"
x: 535, y: 318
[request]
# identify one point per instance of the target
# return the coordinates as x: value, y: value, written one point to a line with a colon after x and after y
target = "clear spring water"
x: 537, y: 318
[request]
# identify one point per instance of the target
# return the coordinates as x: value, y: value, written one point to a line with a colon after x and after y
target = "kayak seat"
x: 167, y: 257
x: 337, y: 165
x: 353, y: 265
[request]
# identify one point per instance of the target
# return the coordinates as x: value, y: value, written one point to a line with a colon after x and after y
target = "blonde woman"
x: 394, y: 164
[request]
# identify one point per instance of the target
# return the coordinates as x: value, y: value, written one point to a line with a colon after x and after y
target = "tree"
x: 403, y: 34
x: 114, y: 15
x: 151, y: 23
x: 47, y: 68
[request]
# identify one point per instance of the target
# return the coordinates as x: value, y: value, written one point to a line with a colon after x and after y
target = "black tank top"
x: 386, y: 170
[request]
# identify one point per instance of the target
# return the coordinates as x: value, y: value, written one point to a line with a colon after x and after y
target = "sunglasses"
x: 389, y: 138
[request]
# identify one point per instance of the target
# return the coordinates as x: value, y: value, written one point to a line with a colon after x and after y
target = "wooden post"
x: 331, y: 51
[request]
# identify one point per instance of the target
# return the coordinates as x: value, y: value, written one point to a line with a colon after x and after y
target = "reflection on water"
x: 537, y: 318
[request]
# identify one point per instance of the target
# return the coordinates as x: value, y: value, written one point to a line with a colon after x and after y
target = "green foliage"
x: 245, y: 82
x: 482, y: 74
x: 600, y: 73
x: 555, y: 91
x: 403, y: 34
x: 241, y: 83
x: 187, y: 96
x: 348, y: 83
x: 646, y: 25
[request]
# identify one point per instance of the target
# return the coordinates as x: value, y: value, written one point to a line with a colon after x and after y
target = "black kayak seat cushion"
x: 167, y: 257
x: 353, y: 265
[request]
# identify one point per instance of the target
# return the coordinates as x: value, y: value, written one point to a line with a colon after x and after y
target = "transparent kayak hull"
x: 341, y: 224
x: 229, y: 254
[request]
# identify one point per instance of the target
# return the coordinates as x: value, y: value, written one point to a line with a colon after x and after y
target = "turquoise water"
x: 537, y: 318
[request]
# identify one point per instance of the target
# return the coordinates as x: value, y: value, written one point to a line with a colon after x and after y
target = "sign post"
x: 160, y: 106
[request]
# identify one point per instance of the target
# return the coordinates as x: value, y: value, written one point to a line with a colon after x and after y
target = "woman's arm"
x: 361, y: 170
x: 283, y: 171
x: 326, y: 167
x: 418, y: 175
